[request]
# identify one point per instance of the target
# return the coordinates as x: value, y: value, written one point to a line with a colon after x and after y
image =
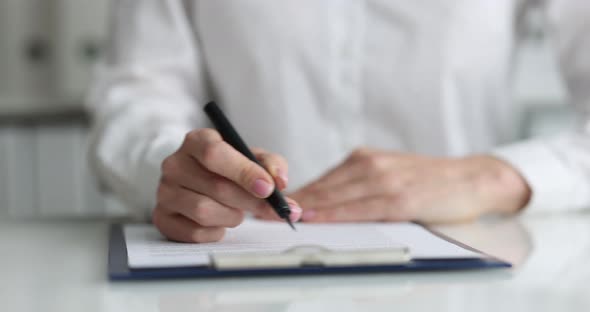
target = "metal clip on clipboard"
x: 310, y: 255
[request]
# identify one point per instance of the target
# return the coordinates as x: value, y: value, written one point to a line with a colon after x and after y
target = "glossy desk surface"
x: 61, y: 266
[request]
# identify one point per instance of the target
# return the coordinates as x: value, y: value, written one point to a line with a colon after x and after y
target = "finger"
x: 362, y: 163
x: 177, y: 227
x: 225, y: 191
x: 326, y: 197
x: 337, y: 175
x: 352, y: 168
x: 275, y: 164
x: 196, y: 178
x: 362, y: 210
x: 296, y: 212
x: 217, y: 156
x: 206, y: 211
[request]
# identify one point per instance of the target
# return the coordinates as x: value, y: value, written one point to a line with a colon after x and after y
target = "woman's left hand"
x: 374, y: 185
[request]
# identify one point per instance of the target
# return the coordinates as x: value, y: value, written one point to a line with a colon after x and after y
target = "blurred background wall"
x: 47, y: 52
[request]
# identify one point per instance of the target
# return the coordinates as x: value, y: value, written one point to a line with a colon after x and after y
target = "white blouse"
x: 314, y: 79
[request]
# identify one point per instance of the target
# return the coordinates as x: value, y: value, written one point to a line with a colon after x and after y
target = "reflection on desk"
x: 61, y: 266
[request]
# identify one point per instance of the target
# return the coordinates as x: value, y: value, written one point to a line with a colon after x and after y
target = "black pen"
x: 231, y: 136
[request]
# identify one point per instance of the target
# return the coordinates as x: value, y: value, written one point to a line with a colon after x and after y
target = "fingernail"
x: 281, y: 174
x: 308, y: 214
x: 262, y: 188
x: 295, y: 213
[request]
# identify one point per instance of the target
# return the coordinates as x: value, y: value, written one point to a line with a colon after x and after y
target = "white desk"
x: 61, y: 266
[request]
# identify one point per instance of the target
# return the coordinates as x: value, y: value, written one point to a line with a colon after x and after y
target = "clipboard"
x: 302, y: 260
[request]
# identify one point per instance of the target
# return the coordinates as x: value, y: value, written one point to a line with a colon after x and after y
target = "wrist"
x: 502, y: 188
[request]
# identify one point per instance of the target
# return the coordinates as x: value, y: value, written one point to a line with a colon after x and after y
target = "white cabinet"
x: 80, y: 34
x: 44, y: 172
x: 25, y: 56
x: 47, y: 51
x: 19, y: 170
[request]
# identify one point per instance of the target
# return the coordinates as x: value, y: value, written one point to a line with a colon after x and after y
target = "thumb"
x: 276, y: 165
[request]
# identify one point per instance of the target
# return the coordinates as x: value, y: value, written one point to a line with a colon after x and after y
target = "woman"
x: 382, y: 111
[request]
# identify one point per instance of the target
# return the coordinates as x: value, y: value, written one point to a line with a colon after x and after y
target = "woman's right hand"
x: 207, y: 186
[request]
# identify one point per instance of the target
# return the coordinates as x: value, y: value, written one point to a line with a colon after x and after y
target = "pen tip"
x: 290, y: 224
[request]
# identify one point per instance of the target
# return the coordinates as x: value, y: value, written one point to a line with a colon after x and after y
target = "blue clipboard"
x: 118, y: 268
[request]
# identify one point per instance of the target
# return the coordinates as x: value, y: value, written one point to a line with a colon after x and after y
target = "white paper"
x: 147, y: 248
